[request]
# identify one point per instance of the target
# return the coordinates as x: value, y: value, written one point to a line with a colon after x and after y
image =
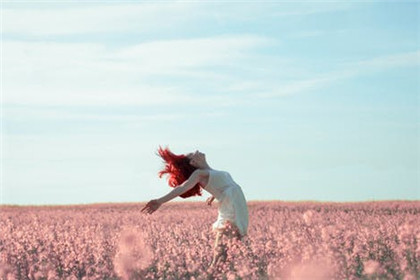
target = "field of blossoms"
x: 302, y: 240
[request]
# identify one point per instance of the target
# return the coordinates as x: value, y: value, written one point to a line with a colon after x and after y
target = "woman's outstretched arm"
x: 154, y: 204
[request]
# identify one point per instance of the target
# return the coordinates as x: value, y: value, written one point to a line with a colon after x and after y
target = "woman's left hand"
x: 151, y: 206
x: 210, y: 200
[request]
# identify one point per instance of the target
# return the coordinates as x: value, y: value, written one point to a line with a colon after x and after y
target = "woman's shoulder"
x: 202, y: 172
x: 207, y: 172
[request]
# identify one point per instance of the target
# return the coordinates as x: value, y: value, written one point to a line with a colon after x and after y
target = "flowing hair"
x: 178, y: 169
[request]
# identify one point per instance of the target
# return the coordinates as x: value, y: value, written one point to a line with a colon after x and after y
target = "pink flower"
x: 409, y: 276
x: 371, y: 266
x: 133, y: 253
x: 314, y: 270
x: 307, y: 217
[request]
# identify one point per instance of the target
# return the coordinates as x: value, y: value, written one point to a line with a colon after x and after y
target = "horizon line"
x: 197, y: 202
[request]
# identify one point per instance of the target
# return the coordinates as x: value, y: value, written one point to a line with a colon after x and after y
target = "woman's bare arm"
x: 154, y: 204
x: 186, y: 186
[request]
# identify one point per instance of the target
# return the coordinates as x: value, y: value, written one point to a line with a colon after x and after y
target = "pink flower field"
x: 302, y: 240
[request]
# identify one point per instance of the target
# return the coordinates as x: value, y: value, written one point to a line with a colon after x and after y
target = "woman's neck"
x: 205, y: 166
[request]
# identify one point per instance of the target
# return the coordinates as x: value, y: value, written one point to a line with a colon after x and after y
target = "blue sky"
x: 297, y: 100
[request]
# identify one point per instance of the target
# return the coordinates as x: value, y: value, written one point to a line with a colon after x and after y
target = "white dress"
x: 232, y: 202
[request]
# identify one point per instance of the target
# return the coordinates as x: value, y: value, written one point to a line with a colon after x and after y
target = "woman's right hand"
x: 151, y: 206
x: 210, y: 200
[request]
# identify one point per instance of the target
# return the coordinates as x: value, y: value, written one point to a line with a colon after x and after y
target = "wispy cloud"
x: 310, y: 33
x: 345, y: 71
x: 63, y: 18
x: 77, y: 18
x: 41, y: 70
x: 199, y: 70
x: 389, y: 61
x: 305, y: 8
x: 42, y: 73
x: 82, y: 74
x: 40, y: 113
x: 302, y: 85
x: 176, y: 55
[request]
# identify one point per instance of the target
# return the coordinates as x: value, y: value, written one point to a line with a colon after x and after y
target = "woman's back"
x: 218, y: 182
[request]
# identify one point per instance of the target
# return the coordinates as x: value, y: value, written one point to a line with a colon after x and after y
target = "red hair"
x: 179, y: 169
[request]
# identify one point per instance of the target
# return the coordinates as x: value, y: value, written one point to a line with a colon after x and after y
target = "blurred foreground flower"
x: 6, y: 271
x: 315, y: 270
x: 371, y: 266
x: 307, y: 217
x: 133, y: 254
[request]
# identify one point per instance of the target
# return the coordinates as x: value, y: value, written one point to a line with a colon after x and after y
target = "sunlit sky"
x: 297, y: 100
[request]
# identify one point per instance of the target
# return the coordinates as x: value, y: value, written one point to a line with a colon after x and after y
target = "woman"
x: 190, y: 173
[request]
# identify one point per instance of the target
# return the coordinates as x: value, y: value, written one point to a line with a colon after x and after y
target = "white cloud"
x: 390, y: 61
x: 301, y: 85
x: 309, y: 33
x: 64, y: 18
x: 35, y: 113
x: 171, y: 56
x: 90, y: 74
x: 347, y: 71
x: 306, y: 8
x: 153, y: 72
x: 71, y: 18
x: 81, y: 74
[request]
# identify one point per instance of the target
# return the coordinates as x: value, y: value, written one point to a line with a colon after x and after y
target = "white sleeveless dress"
x: 232, y: 202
